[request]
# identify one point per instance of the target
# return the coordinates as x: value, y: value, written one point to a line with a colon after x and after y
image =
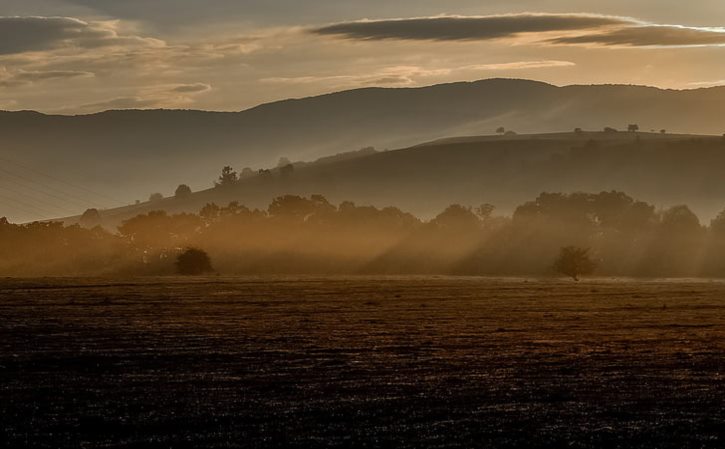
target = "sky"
x: 84, y: 56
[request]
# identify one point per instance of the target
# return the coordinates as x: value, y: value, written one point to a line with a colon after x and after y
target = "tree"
x: 286, y: 171
x: 500, y: 130
x: 608, y: 130
x: 193, y: 262
x: 578, y: 130
x: 227, y: 178
x: 574, y: 262
x: 633, y: 128
x: 510, y: 133
x: 156, y: 197
x: 484, y: 211
x: 90, y: 218
x: 663, y: 131
x: 183, y: 191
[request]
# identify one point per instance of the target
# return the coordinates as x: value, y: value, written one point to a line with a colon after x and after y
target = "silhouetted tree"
x: 227, y: 178
x: 246, y: 173
x: 156, y: 197
x: 574, y: 262
x: 633, y: 128
x: 210, y: 211
x: 578, y: 130
x: 484, y: 211
x: 183, y: 191
x: 500, y: 130
x: 286, y: 171
x: 663, y: 131
x: 193, y: 262
x: 90, y: 218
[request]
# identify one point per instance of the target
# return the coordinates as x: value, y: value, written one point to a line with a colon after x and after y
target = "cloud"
x: 29, y: 34
x: 651, y: 36
x: 134, y: 102
x: 567, y: 29
x: 468, y: 28
x: 152, y: 97
x: 521, y: 65
x: 192, y: 88
x: 23, y: 77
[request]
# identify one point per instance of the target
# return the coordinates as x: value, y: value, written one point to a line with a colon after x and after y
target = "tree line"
x: 611, y: 231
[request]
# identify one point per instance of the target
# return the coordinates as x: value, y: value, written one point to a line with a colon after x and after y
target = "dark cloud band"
x: 574, y: 29
x: 468, y: 28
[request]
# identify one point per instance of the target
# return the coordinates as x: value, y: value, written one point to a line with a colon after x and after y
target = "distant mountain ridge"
x: 132, y: 153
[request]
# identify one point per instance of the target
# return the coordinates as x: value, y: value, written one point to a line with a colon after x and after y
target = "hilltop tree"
x: 227, y: 178
x: 574, y: 262
x: 500, y: 130
x: 633, y: 128
x: 183, y: 191
x: 90, y: 218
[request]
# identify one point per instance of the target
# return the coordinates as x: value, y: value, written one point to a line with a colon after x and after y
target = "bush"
x: 193, y: 262
x: 574, y: 262
x: 183, y: 191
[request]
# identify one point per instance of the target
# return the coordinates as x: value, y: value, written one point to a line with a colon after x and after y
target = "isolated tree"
x: 156, y: 197
x: 633, y: 128
x: 193, y: 262
x: 246, y: 173
x: 286, y: 171
x: 578, y: 130
x: 90, y: 218
x: 500, y: 130
x: 227, y: 178
x: 663, y: 131
x: 574, y: 262
x: 183, y: 191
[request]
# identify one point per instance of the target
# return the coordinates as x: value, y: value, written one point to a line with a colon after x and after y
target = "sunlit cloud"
x: 25, y: 34
x: 23, y: 77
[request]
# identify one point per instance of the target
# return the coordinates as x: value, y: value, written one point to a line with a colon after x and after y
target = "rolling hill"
x: 129, y: 154
x: 502, y: 170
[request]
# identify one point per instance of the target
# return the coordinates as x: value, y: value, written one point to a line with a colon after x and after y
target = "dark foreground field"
x: 361, y: 362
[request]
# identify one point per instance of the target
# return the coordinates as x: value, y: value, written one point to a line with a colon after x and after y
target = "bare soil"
x: 361, y: 362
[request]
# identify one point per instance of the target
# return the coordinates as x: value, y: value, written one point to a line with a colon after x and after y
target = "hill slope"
x: 129, y: 154
x: 506, y: 171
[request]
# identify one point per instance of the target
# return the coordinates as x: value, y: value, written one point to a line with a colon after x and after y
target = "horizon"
x: 282, y: 100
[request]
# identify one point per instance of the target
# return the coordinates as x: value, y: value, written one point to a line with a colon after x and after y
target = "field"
x: 361, y: 362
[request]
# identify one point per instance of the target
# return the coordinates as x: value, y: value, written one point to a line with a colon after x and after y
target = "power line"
x: 79, y: 201
x: 44, y: 204
x: 27, y: 208
x: 75, y: 186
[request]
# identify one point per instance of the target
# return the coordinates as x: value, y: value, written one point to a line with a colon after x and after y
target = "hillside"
x: 503, y: 170
x: 129, y: 154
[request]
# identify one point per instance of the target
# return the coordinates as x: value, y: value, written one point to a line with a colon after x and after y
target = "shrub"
x: 193, y: 262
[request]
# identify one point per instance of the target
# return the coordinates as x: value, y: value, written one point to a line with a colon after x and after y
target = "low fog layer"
x: 625, y: 237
